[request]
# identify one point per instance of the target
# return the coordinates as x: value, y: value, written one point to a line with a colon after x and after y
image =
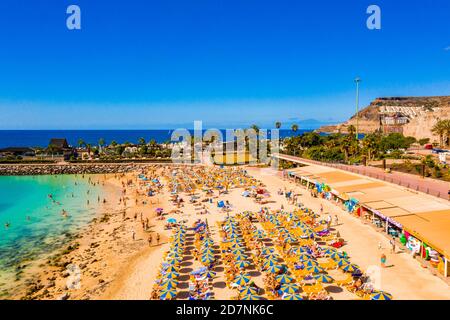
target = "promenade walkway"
x: 429, y: 186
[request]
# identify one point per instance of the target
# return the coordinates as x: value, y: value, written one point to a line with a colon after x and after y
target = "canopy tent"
x: 430, y: 227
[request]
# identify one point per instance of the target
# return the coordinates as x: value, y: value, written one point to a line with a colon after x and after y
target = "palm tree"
x: 351, y: 130
x: 81, y: 143
x: 114, y: 143
x: 101, y: 143
x: 294, y: 127
x: 447, y: 130
x: 51, y: 149
x: 439, y: 129
x: 278, y: 124
x: 141, y: 141
x: 370, y: 144
x: 255, y: 127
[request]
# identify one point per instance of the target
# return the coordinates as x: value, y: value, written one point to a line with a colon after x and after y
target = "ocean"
x: 32, y: 224
x: 41, y: 138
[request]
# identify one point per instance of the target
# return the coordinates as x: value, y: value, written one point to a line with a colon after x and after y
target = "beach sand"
x: 114, y: 266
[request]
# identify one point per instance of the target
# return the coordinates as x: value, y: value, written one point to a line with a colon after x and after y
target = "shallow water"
x: 36, y: 223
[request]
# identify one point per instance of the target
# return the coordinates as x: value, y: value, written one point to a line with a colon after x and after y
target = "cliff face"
x: 413, y: 116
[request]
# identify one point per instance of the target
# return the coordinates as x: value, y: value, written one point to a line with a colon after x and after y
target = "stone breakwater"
x: 49, y: 169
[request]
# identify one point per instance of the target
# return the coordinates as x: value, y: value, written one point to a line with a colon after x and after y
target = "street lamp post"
x: 357, y: 81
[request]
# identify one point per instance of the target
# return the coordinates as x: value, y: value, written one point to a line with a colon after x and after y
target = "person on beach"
x: 328, y: 221
x: 392, y: 243
x: 336, y: 220
x: 134, y: 235
x: 157, y: 238
x: 150, y: 240
x: 383, y: 260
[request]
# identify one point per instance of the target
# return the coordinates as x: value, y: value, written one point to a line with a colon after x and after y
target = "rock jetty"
x: 54, y: 169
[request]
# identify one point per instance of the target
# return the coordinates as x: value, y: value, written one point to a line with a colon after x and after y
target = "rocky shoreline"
x: 55, y: 169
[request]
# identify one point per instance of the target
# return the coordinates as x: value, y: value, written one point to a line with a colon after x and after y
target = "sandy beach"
x: 110, y: 264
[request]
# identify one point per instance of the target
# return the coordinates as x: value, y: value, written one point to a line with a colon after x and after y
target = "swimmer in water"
x: 7, y: 224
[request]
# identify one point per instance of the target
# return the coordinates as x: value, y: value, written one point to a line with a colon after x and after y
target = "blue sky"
x: 165, y: 63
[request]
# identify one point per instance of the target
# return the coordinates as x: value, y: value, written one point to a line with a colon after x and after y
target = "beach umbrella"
x: 274, y: 269
x: 210, y: 274
x: 242, y: 264
x: 168, y: 295
x: 324, y: 278
x: 251, y: 297
x: 207, y: 261
x: 342, y: 262
x: 284, y: 278
x: 170, y: 268
x: 329, y: 251
x: 290, y: 288
x: 238, y: 251
x: 241, y: 279
x: 269, y: 256
x: 248, y: 291
x: 171, y: 275
x: 336, y: 255
x: 270, y: 262
x: 310, y: 263
x: 208, y: 241
x: 240, y: 257
x: 350, y: 268
x: 315, y: 269
x: 380, y: 296
x: 169, y: 284
x: 171, y: 220
x: 304, y: 257
x: 207, y: 256
x: 267, y: 250
x: 293, y: 297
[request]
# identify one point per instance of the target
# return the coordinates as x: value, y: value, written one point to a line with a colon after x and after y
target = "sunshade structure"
x: 275, y: 268
x: 242, y: 279
x: 290, y: 288
x: 248, y: 291
x: 168, y: 295
x: 251, y: 297
x: 324, y: 278
x: 293, y: 297
x: 242, y: 264
x: 350, y: 268
x: 284, y: 278
x: 315, y: 269
x: 380, y: 296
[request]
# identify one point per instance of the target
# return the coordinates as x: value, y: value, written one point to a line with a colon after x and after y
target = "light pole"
x: 357, y: 81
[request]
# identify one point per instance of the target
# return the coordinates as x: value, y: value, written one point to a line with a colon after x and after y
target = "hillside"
x: 413, y: 116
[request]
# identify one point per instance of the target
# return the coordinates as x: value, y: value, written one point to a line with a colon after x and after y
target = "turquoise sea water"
x: 36, y: 224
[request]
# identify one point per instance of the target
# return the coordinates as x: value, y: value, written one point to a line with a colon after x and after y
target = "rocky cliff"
x: 414, y: 116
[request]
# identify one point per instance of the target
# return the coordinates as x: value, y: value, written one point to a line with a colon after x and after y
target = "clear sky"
x: 164, y: 63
